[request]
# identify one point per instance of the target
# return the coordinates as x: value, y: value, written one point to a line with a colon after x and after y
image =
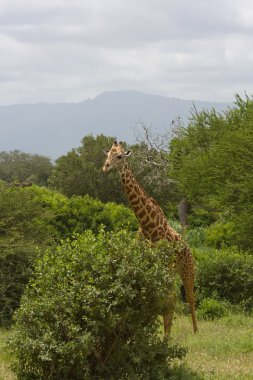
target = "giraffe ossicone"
x: 154, y: 225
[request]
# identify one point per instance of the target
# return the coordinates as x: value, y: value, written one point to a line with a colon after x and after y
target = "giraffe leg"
x: 168, y: 316
x: 189, y: 291
x: 185, y: 267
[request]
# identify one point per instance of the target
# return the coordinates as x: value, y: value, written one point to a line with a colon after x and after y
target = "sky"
x: 70, y: 50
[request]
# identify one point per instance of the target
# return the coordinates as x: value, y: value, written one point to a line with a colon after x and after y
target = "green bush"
x: 116, y: 217
x: 77, y: 214
x: 195, y: 237
x: 210, y: 308
x: 225, y: 274
x: 33, y: 218
x: 220, y: 234
x: 91, y: 311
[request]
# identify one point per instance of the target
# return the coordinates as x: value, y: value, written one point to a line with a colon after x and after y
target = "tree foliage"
x: 212, y: 165
x: 77, y: 214
x: 24, y: 167
x: 24, y: 231
x: 79, y: 172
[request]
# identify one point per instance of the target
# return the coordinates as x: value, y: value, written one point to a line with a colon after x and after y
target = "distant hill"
x: 54, y: 129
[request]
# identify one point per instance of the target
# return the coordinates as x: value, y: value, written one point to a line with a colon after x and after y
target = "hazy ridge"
x: 54, y: 129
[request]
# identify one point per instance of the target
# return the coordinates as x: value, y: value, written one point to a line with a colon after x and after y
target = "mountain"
x: 54, y: 129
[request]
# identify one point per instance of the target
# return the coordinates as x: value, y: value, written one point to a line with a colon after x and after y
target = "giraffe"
x: 154, y: 226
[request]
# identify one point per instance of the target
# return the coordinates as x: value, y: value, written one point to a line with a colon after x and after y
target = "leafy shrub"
x: 195, y: 236
x: 242, y: 231
x: 227, y: 274
x: 176, y: 225
x: 33, y: 218
x: 116, y: 217
x: 199, y: 217
x: 77, y: 214
x: 220, y: 234
x: 91, y: 311
x: 210, y: 308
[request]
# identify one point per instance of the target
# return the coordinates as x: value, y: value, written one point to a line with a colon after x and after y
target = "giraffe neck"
x: 136, y: 195
x: 153, y: 222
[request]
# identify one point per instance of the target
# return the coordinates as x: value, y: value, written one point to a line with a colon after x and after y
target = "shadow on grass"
x: 182, y: 372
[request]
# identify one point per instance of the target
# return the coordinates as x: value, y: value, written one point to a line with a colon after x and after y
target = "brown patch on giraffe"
x: 132, y: 197
x: 161, y: 231
x: 150, y: 225
x: 145, y: 221
x: 141, y: 213
x: 154, y: 235
x: 159, y: 219
x: 135, y: 202
x: 169, y: 235
x: 148, y: 208
x: 153, y: 214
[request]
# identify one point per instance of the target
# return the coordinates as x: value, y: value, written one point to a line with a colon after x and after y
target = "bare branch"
x: 150, y: 159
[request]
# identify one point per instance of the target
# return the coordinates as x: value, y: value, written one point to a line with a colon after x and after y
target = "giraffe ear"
x: 128, y: 153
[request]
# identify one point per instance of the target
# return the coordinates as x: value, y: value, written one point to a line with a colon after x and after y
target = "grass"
x: 222, y: 349
x: 5, y: 359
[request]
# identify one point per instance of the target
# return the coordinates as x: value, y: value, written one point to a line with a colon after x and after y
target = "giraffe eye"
x: 119, y: 156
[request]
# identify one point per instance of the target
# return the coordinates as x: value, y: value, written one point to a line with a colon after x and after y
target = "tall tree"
x: 212, y: 164
x: 79, y: 172
x: 24, y: 230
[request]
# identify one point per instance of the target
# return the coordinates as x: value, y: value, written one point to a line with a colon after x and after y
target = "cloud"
x: 59, y: 50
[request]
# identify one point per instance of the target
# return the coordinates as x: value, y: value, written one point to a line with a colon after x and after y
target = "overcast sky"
x: 71, y: 50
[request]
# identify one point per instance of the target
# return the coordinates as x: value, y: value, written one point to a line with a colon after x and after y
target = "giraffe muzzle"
x: 106, y: 167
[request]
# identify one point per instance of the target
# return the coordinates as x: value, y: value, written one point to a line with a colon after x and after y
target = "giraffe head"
x: 115, y: 157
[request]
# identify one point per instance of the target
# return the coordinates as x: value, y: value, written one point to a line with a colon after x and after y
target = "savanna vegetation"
x: 81, y: 297
x: 19, y: 167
